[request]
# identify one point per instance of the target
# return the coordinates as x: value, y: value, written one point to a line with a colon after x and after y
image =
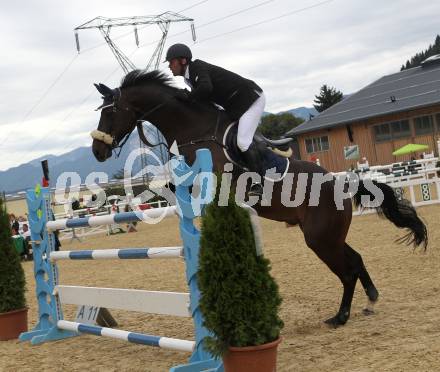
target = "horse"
x: 152, y: 96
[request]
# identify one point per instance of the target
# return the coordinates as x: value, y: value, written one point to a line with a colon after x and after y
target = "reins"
x: 212, y: 138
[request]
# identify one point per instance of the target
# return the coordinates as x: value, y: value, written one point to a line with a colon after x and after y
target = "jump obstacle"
x: 51, y: 295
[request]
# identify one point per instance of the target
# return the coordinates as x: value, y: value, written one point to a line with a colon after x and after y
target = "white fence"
x: 415, y: 180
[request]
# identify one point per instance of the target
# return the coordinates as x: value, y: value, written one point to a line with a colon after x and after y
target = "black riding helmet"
x: 178, y: 51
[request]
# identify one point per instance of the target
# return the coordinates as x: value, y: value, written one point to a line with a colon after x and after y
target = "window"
x: 317, y: 144
x: 382, y: 132
x: 400, y: 129
x: 423, y: 125
x: 437, y: 119
x: 393, y: 130
x: 309, y: 146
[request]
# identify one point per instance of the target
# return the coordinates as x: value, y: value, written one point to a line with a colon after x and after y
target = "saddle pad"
x: 271, y: 161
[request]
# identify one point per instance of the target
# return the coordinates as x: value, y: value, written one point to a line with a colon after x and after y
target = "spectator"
x: 15, y: 231
x: 27, y: 238
x: 14, y: 223
x: 19, y: 243
x: 131, y: 226
x: 26, y: 233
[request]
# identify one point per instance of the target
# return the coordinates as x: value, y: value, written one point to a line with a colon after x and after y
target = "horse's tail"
x: 399, y: 211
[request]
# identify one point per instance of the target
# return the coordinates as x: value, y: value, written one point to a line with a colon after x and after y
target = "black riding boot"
x: 254, y: 163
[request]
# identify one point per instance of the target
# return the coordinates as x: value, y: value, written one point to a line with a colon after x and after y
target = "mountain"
x: 80, y: 160
x: 303, y: 112
x: 299, y: 112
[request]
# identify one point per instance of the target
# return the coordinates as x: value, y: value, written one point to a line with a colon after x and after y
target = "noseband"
x: 103, y: 137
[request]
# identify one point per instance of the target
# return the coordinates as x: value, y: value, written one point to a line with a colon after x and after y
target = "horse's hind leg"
x: 364, y: 277
x: 341, y: 264
x: 348, y: 275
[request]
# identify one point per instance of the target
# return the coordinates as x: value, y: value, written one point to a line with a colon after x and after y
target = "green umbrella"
x: 410, y: 148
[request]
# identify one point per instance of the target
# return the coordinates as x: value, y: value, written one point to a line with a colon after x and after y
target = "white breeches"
x: 248, y: 123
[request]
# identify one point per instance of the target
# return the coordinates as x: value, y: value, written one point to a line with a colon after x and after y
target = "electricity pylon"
x: 105, y: 25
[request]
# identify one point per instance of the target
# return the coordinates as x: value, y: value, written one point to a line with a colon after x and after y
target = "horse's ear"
x: 104, y: 90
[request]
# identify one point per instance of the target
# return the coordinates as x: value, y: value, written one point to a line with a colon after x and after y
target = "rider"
x: 242, y: 99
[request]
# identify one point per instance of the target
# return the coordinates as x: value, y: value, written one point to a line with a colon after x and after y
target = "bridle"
x: 111, y: 140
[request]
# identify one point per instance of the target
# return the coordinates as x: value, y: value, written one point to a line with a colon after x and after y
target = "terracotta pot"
x: 262, y: 358
x: 12, y: 324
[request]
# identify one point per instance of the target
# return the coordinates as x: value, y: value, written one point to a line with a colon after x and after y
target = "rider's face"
x: 177, y: 67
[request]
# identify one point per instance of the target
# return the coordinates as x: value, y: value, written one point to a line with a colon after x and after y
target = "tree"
x: 418, y: 58
x: 327, y: 97
x: 276, y: 125
x: 12, y: 279
x: 239, y: 299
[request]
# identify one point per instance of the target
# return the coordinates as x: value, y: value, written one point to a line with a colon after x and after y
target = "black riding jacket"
x: 227, y: 89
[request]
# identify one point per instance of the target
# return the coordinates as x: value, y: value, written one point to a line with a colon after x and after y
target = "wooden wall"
x: 363, y: 136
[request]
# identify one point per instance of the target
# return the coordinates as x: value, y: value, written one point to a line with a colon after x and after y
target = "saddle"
x: 275, y: 153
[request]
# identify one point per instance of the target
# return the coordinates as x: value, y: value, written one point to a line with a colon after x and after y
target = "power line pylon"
x: 105, y: 25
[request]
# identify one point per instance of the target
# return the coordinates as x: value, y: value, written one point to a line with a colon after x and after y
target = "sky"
x: 290, y: 48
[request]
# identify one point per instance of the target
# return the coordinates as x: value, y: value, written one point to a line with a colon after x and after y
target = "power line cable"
x: 267, y: 20
x: 192, y: 6
x: 230, y: 15
x: 234, y: 14
x: 71, y: 112
x: 36, y: 104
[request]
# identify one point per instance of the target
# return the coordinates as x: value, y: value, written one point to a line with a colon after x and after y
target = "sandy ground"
x: 403, y: 335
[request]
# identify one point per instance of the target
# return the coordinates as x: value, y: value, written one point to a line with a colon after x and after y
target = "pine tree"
x: 327, y: 97
x: 418, y: 58
x: 239, y: 299
x: 12, y: 279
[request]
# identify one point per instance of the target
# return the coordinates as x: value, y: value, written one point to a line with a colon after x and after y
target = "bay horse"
x: 151, y: 96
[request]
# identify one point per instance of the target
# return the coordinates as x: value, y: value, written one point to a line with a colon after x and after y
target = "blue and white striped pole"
x: 136, y: 338
x: 147, y: 215
x: 122, y: 254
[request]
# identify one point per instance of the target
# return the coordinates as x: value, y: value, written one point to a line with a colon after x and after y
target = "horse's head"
x: 117, y: 121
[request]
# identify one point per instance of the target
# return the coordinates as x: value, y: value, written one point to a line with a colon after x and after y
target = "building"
x: 393, y: 111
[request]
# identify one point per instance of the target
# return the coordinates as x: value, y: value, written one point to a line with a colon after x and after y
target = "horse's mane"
x: 138, y: 77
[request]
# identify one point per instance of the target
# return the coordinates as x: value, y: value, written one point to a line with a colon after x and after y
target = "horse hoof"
x: 372, y: 294
x: 367, y: 311
x: 335, y: 322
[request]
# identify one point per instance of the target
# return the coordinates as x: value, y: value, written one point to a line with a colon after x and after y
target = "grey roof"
x: 412, y: 88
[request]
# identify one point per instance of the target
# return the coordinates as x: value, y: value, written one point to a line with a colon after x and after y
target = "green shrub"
x: 12, y: 280
x: 239, y: 298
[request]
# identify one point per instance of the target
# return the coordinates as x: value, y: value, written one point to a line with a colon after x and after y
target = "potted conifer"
x: 239, y: 299
x: 13, y: 311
